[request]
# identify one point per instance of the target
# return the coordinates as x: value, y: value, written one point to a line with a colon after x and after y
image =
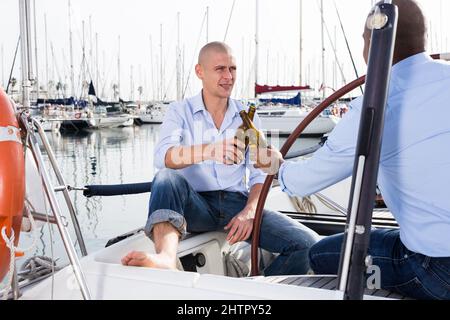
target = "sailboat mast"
x: 131, y: 84
x: 243, y: 67
x: 103, y: 73
x: 96, y: 62
x: 90, y: 66
x: 72, y: 76
x: 36, y: 51
x: 46, y: 53
x: 300, y: 62
x: 207, y: 24
x: 25, y: 49
x: 256, y: 42
x: 83, y: 63
x: 178, y: 61
x: 118, y: 70
x: 161, y: 80
x: 335, y: 61
x: 151, y: 69
x: 323, y: 48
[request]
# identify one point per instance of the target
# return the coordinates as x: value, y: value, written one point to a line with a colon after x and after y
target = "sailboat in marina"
x: 280, y: 116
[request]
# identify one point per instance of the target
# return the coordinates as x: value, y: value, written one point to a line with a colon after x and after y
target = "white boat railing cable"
x: 54, y: 205
x: 354, y: 259
x: 331, y: 204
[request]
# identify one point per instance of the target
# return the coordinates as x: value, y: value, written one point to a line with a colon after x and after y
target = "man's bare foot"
x: 142, y: 259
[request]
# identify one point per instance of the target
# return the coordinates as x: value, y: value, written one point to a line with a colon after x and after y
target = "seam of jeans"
x: 417, y: 282
x: 288, y: 260
x: 325, y: 254
x: 437, y: 277
x: 285, y: 237
x: 394, y: 259
x: 439, y: 266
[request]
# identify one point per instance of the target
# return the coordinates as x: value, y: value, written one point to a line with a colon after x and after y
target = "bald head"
x: 411, y: 30
x: 213, y: 47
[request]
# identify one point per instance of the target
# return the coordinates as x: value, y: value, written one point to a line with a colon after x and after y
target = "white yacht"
x: 284, y: 120
x: 153, y: 114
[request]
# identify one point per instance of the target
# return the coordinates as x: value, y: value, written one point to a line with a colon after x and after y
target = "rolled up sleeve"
x: 170, y: 135
x: 256, y: 177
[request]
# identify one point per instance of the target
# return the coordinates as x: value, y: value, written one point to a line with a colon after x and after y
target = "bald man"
x: 414, y: 170
x: 203, y: 185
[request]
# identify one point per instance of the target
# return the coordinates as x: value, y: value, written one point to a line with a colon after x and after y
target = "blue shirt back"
x: 414, y: 171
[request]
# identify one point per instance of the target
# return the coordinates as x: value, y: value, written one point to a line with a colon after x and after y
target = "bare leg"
x: 166, y: 239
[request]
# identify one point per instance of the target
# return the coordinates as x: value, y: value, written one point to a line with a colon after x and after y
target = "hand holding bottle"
x: 269, y: 160
x: 229, y: 151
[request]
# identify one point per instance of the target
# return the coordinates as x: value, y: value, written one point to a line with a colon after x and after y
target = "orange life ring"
x: 12, y: 179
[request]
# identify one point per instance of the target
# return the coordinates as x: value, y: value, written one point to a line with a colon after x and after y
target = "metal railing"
x: 58, y: 218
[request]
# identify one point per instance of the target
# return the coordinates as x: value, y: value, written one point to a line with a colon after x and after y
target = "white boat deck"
x: 325, y: 282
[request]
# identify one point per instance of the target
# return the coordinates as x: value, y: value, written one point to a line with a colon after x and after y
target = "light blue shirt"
x: 414, y: 173
x: 188, y: 123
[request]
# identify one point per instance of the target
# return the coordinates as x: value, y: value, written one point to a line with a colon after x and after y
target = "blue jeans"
x: 403, y: 271
x: 173, y: 200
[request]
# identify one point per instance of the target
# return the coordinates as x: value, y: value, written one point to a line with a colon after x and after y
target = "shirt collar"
x: 410, y: 61
x: 198, y: 105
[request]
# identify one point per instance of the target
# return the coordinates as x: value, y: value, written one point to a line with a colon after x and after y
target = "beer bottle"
x: 251, y: 112
x: 256, y: 138
x: 241, y: 132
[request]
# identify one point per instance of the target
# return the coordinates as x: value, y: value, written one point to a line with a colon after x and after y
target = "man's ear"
x: 199, y: 71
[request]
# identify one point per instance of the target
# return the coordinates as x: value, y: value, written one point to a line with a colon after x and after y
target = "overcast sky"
x: 138, y: 22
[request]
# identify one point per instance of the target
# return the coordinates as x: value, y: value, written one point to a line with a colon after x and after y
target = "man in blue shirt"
x: 202, y: 184
x: 414, y: 171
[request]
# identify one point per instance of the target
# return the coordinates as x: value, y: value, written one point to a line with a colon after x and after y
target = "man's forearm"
x: 183, y: 157
x: 253, y: 197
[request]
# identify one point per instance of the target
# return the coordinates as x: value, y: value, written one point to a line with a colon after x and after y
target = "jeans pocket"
x: 440, y: 270
x: 415, y: 289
